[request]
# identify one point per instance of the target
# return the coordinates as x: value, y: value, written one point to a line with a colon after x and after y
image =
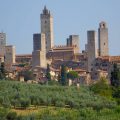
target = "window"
x: 103, y: 25
x: 45, y: 21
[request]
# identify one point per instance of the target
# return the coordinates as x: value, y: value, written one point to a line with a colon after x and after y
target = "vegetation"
x: 115, y: 82
x: 102, y: 88
x: 22, y: 101
x: 2, y: 71
x: 72, y: 75
x: 115, y: 76
x: 63, y: 76
x: 48, y: 75
x: 54, y: 102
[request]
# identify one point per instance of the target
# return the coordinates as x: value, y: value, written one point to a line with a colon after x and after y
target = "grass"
x: 25, y: 112
x: 36, y: 110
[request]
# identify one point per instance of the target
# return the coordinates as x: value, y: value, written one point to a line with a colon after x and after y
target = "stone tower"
x: 9, y: 56
x: 103, y: 39
x: 47, y: 28
x: 91, y: 48
x: 73, y: 40
x: 2, y: 43
x: 39, y: 51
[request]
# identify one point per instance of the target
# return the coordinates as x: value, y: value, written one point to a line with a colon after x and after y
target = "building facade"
x: 24, y: 58
x: 47, y: 28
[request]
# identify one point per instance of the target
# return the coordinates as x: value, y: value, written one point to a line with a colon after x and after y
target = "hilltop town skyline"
x: 63, y: 21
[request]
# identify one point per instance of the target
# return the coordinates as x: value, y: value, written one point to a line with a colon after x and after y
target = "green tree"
x: 116, y: 94
x: 11, y: 116
x: 48, y: 75
x: 72, y: 75
x: 102, y: 88
x: 115, y: 76
x: 25, y: 103
x: 2, y: 71
x: 3, y: 113
x: 63, y: 79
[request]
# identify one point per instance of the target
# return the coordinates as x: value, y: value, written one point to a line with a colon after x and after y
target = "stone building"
x: 9, y: 57
x: 39, y: 51
x: 61, y: 53
x: 73, y: 40
x: 103, y: 39
x: 91, y: 48
x: 23, y: 58
x: 2, y: 43
x: 47, y: 28
x: 104, y: 65
x: 70, y: 51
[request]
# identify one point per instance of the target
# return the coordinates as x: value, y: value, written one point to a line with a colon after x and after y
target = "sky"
x: 20, y: 19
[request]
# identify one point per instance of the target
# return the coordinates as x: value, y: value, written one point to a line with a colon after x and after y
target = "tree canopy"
x: 63, y: 76
x: 2, y: 71
x: 48, y: 75
x: 72, y: 75
x: 115, y: 76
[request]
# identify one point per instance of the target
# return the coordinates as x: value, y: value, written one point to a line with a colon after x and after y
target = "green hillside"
x: 54, y: 103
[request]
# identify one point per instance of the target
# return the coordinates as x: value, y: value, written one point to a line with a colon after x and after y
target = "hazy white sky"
x: 19, y: 19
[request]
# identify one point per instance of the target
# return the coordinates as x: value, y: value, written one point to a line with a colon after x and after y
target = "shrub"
x: 60, y: 104
x: 25, y: 103
x: 102, y: 88
x: 11, y: 116
x: 3, y: 113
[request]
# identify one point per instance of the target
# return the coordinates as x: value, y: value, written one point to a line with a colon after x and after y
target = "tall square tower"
x: 73, y: 40
x: 91, y: 48
x: 9, y: 56
x: 103, y: 39
x: 39, y: 51
x: 2, y: 43
x: 47, y: 28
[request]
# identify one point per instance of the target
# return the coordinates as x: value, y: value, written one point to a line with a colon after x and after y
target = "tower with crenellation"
x: 47, y: 28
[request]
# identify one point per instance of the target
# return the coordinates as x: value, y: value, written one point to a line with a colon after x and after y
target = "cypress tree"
x: 115, y: 76
x: 63, y: 80
x: 48, y: 75
x: 2, y: 71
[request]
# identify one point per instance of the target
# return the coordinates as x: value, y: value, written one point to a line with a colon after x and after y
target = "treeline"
x: 109, y: 89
